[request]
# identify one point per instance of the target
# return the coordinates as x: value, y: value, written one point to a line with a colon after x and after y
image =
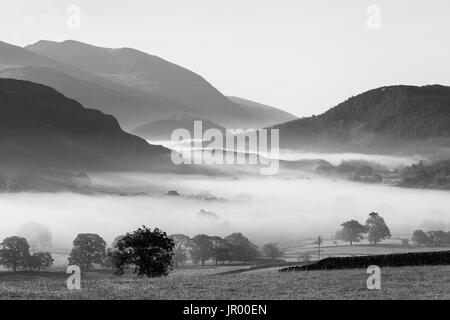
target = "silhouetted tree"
x: 149, y: 253
x: 351, y: 231
x: 377, y: 228
x: 202, y: 248
x: 221, y: 250
x: 242, y: 249
x: 14, y: 252
x: 437, y: 238
x: 182, y: 243
x: 88, y: 249
x: 420, y: 237
x: 116, y: 241
x: 271, y: 250
x: 40, y: 260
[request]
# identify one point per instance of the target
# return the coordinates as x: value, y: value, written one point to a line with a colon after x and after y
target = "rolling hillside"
x: 396, y: 119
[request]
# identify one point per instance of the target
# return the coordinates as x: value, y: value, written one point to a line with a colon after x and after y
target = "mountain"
x: 189, y: 93
x: 127, y: 104
x: 41, y: 128
x: 266, y: 114
x: 395, y: 119
x: 162, y: 129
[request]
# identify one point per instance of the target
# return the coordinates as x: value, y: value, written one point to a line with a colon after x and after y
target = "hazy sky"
x: 301, y: 56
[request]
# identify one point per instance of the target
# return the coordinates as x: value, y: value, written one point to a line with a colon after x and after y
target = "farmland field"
x: 397, y: 283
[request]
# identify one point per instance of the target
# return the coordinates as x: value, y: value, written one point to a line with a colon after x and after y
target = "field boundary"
x: 433, y: 258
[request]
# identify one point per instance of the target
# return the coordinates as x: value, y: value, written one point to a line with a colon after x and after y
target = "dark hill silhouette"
x: 41, y: 128
x: 389, y: 119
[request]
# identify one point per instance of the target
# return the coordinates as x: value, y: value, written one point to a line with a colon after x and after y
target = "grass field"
x: 243, y: 281
x: 397, y: 283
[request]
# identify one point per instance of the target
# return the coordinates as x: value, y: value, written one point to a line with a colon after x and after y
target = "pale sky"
x: 301, y: 56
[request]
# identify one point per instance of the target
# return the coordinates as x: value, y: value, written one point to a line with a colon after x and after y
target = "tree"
x: 351, y: 231
x: 40, y: 260
x: 420, y: 237
x: 202, y: 248
x: 271, y: 250
x: 182, y: 243
x: 242, y: 249
x: 108, y: 261
x: 221, y: 250
x: 116, y: 241
x: 437, y: 238
x: 15, y: 252
x: 38, y: 236
x: 148, y: 252
x: 88, y: 249
x: 377, y: 228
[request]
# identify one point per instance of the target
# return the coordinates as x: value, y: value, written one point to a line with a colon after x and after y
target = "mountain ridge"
x: 153, y: 75
x: 394, y: 118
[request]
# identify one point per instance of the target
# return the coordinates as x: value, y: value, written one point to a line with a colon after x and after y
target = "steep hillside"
x: 41, y: 128
x: 389, y: 119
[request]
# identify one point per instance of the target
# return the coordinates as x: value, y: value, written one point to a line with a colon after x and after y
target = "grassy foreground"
x: 397, y: 283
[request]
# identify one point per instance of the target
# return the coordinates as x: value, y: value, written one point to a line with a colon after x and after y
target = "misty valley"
x: 299, y: 203
x: 131, y: 171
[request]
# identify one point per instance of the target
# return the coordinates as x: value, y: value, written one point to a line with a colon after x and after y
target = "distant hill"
x: 162, y: 129
x: 267, y: 114
x: 41, y: 128
x: 396, y: 119
x: 181, y: 90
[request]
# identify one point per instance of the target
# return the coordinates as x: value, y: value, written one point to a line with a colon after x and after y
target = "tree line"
x: 144, y: 251
x: 375, y: 228
x: 431, y: 238
x: 15, y: 254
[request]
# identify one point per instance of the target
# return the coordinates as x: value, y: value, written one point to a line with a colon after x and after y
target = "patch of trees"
x: 15, y: 254
x: 202, y: 248
x: 272, y: 250
x: 45, y: 179
x: 375, y: 228
x: 355, y: 170
x: 153, y: 253
x: 431, y: 238
x: 435, y: 175
x: 144, y: 251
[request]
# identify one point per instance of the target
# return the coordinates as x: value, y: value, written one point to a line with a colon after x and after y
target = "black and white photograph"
x: 211, y: 150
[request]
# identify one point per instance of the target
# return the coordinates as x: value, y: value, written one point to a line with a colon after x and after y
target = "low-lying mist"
x: 263, y: 208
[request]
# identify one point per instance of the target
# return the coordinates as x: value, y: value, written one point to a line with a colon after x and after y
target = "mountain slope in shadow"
x: 41, y: 128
